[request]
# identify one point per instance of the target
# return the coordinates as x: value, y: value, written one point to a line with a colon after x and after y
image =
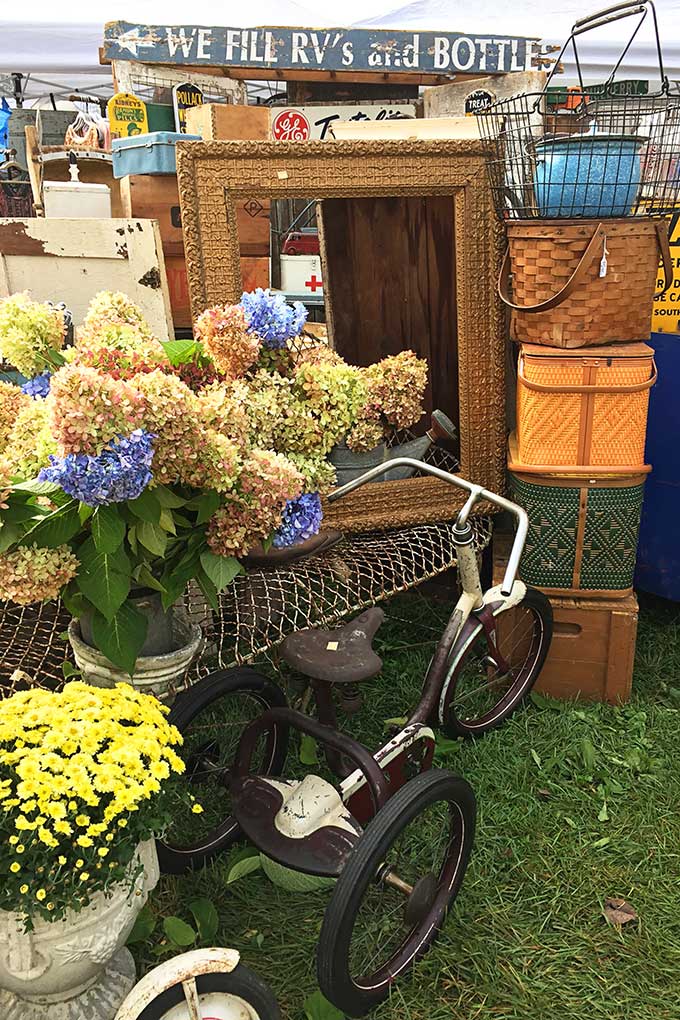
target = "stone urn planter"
x: 76, y: 968
x: 171, y: 646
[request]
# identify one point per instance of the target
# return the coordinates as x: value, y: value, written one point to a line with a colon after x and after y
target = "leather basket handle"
x: 579, y: 273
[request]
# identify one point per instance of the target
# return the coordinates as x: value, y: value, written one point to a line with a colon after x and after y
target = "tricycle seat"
x: 341, y: 656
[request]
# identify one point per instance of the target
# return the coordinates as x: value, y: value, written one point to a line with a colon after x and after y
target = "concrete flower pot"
x: 75, y: 968
x: 154, y: 674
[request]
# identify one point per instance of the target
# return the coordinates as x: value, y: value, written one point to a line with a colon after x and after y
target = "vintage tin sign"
x: 127, y: 115
x: 184, y: 97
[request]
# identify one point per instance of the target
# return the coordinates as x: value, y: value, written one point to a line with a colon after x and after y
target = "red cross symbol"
x: 313, y: 284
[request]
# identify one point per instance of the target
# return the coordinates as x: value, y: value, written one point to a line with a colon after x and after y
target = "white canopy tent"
x: 59, y: 47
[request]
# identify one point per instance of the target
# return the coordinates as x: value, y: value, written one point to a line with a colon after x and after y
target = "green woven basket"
x: 583, y: 534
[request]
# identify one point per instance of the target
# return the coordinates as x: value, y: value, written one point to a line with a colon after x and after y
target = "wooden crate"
x: 255, y: 273
x: 157, y: 197
x: 226, y: 122
x: 593, y: 646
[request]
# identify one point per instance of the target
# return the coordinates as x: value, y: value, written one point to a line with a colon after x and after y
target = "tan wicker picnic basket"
x: 580, y: 283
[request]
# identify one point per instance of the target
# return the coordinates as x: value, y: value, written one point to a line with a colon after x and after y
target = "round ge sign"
x: 291, y: 126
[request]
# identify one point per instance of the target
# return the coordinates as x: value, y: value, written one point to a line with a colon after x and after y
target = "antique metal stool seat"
x: 341, y: 656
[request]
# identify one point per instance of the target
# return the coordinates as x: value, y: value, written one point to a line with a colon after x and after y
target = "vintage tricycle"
x: 396, y: 833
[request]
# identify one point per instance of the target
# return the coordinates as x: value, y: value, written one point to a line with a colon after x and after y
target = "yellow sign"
x: 127, y: 115
x: 666, y: 309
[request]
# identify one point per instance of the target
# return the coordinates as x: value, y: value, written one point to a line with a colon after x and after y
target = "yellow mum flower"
x: 23, y: 890
x: 50, y: 906
x: 20, y: 848
x: 14, y: 840
x: 63, y: 827
x: 84, y: 841
x: 79, y: 863
x: 103, y: 851
x: 122, y: 822
x: 62, y: 861
x: 84, y: 875
x: 82, y: 820
x: 40, y: 895
x: 15, y: 866
x: 197, y: 809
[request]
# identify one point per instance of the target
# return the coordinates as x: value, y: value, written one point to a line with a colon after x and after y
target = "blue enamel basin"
x: 587, y: 175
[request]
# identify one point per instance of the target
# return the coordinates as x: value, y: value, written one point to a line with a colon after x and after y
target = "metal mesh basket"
x: 593, y: 153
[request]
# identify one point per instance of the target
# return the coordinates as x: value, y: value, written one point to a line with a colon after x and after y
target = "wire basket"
x: 598, y: 155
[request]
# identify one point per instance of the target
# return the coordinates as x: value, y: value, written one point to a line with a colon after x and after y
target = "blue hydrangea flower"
x: 121, y: 471
x: 301, y: 520
x: 39, y: 386
x: 272, y: 318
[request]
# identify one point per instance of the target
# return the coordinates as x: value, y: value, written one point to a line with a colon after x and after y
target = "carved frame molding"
x: 212, y: 176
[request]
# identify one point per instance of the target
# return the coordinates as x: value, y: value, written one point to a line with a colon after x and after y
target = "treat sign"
x: 478, y: 100
x: 127, y: 115
x: 184, y: 96
x: 291, y: 126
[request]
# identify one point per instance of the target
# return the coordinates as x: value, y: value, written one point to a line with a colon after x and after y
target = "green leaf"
x: 268, y: 542
x: 208, y: 589
x: 536, y: 757
x: 259, y: 940
x: 108, y: 529
x: 147, y: 507
x: 588, y: 753
x: 9, y: 534
x: 220, y: 569
x: 74, y: 601
x: 176, y: 575
x: 147, y: 580
x: 178, y: 931
x: 541, y: 701
x: 144, y: 925
x: 181, y: 352
x: 167, y: 521
x: 244, y: 866
x: 104, y: 578
x: 121, y: 638
x: 308, y: 755
x: 206, y: 918
x: 85, y: 512
x: 57, y: 528
x: 132, y: 538
x: 605, y: 841
x: 603, y: 815
x: 37, y: 488
x: 68, y: 669
x: 317, y: 1007
x: 206, y: 505
x: 167, y: 498
x: 152, y: 537
x: 20, y: 512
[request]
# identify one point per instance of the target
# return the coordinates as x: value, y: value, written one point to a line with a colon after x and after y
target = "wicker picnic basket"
x: 581, y: 283
x: 583, y: 532
x: 582, y: 410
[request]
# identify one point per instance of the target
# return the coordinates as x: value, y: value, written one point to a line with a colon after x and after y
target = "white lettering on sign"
x: 463, y: 54
x: 441, y: 52
x: 181, y: 40
x: 299, y: 42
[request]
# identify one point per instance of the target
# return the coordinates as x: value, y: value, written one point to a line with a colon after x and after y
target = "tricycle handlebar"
x: 476, y: 494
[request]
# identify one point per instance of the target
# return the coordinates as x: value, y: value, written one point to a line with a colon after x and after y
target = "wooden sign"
x: 276, y: 50
x: 184, y: 97
x: 127, y: 115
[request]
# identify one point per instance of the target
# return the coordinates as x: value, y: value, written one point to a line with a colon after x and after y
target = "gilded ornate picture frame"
x: 214, y: 175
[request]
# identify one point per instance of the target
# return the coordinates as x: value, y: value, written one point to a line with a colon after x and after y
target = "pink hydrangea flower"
x: 12, y: 401
x: 88, y: 409
x: 223, y: 331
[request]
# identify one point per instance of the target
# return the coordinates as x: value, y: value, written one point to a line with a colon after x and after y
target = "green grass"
x: 526, y: 939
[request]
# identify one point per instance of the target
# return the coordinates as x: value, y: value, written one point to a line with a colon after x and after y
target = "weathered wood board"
x: 72, y: 259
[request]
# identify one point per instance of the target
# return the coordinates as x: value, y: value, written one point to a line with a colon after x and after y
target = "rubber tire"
x: 335, y: 938
x: 241, y: 982
x: 536, y: 600
x: 190, y: 703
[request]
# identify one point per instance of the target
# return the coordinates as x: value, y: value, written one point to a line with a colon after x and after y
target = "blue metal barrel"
x: 658, y: 564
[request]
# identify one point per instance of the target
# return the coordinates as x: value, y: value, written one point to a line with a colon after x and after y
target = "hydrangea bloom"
x: 88, y: 409
x: 109, y: 307
x: 120, y: 350
x: 223, y: 331
x: 396, y: 385
x: 30, y: 574
x: 224, y: 408
x: 301, y: 520
x: 366, y: 434
x: 171, y: 413
x: 29, y: 330
x: 318, y: 474
x: 272, y: 318
x: 38, y: 387
x: 333, y: 394
x: 121, y: 471
x: 30, y: 442
x: 268, y: 480
x: 12, y: 400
